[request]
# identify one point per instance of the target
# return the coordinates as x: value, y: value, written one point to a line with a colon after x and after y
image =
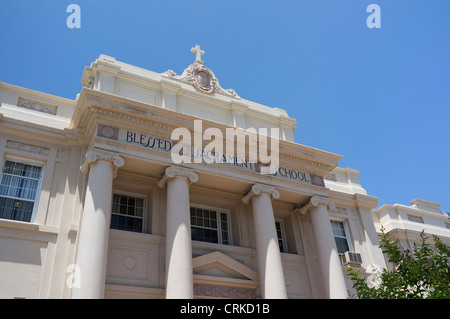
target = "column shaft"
x: 179, y: 276
x: 329, y: 261
x: 94, y: 232
x: 271, y: 273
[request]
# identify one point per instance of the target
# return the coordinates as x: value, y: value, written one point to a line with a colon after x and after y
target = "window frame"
x: 32, y: 162
x: 283, y: 235
x: 144, y: 211
x: 219, y: 226
x: 348, y: 237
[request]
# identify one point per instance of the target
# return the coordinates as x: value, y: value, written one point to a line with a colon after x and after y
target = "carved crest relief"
x: 200, y: 77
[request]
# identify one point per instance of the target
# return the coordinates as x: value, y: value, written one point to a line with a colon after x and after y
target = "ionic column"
x: 179, y: 272
x: 95, y: 223
x: 329, y: 261
x: 271, y: 273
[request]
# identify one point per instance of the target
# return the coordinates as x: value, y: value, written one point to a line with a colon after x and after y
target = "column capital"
x: 314, y: 202
x: 92, y: 156
x: 258, y: 189
x: 173, y: 171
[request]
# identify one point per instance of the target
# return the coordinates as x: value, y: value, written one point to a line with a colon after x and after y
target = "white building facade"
x: 404, y: 224
x: 92, y: 204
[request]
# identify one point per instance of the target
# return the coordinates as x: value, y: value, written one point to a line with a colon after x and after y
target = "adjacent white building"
x: 93, y: 206
x: 405, y: 223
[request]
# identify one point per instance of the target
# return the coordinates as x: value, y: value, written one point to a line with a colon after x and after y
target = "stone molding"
x: 298, y: 160
x: 173, y: 171
x: 37, y: 106
x: 217, y: 291
x: 39, y: 150
x: 259, y: 189
x: 315, y: 202
x: 92, y: 156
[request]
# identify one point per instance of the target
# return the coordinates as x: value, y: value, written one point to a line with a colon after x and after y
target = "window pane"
x: 139, y: 211
x: 338, y: 228
x: 280, y: 236
x: 19, y: 187
x: 204, y: 234
x: 281, y: 245
x: 224, y: 227
x: 342, y: 245
x: 18, y: 190
x: 16, y: 209
x: 126, y: 223
x: 127, y: 213
x: 209, y: 225
x: 20, y: 169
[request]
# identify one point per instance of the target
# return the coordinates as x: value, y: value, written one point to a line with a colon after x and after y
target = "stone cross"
x: 198, y: 54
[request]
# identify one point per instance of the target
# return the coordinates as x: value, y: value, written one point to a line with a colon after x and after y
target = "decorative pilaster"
x: 329, y: 261
x: 94, y: 227
x: 270, y: 266
x: 179, y: 272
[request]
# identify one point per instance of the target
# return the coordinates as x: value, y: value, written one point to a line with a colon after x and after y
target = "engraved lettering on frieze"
x: 108, y: 132
x: 223, y: 291
x: 28, y: 148
x: 37, y: 106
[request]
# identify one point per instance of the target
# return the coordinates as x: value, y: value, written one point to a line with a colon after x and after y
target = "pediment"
x: 217, y: 264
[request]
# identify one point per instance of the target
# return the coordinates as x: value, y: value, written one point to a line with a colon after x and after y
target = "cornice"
x: 94, y: 104
x: 29, y: 93
x: 354, y: 199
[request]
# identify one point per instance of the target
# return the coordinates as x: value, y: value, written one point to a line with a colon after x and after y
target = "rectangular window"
x: 210, y: 225
x: 340, y: 236
x: 19, y: 189
x: 128, y: 213
x: 280, y: 234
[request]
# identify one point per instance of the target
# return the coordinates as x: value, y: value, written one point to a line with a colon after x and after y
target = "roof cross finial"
x: 198, y: 54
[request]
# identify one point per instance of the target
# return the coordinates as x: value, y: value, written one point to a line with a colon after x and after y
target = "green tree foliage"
x: 421, y: 273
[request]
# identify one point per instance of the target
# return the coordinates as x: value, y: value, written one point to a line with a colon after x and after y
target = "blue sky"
x: 379, y: 97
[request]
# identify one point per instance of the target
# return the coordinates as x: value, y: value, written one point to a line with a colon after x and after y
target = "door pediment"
x: 217, y: 264
x: 219, y: 276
